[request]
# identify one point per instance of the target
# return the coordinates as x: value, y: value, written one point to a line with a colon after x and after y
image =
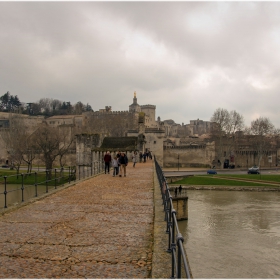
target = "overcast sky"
x: 187, y: 58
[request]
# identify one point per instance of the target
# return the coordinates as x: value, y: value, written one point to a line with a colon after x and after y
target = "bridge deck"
x: 99, y: 228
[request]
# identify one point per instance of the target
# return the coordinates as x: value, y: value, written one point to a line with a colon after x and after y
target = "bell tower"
x: 134, y: 107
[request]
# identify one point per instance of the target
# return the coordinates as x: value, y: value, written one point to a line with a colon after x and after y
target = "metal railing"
x: 18, y: 188
x: 175, y: 242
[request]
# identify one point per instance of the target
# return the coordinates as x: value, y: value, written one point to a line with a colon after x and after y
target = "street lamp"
x: 178, y: 162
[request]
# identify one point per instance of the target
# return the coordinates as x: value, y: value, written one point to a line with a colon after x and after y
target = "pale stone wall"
x: 150, y: 113
x: 154, y: 143
x: 55, y: 121
x: 246, y: 159
x: 111, y: 123
x: 30, y: 122
x: 3, y: 151
x: 189, y: 156
x: 84, y: 145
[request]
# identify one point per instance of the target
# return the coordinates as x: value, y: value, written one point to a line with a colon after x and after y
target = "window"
x: 155, y: 142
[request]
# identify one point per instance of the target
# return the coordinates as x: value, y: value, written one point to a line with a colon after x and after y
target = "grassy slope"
x: 268, y: 178
x: 213, y: 180
x: 30, y: 179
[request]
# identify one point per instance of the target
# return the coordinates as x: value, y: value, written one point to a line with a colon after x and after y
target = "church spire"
x: 134, y: 107
x: 135, y: 99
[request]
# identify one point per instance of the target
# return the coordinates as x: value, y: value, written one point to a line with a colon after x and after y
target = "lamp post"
x: 178, y: 162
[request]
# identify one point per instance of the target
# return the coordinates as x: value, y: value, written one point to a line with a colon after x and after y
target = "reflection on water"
x: 233, y: 234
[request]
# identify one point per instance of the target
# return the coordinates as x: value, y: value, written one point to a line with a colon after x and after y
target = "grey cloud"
x: 187, y: 58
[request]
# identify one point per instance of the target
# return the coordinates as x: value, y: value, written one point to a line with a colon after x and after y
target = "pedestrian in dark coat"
x: 144, y: 156
x: 140, y: 157
x: 180, y: 189
x: 123, y: 160
x: 107, y: 160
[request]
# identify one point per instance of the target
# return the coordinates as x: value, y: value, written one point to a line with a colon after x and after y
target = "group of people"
x: 178, y: 189
x: 145, y: 156
x: 119, y: 163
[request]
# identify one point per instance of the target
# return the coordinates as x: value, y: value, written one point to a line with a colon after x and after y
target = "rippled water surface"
x: 14, y: 195
x: 233, y: 234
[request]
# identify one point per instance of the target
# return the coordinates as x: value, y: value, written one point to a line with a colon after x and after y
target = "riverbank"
x: 227, y: 188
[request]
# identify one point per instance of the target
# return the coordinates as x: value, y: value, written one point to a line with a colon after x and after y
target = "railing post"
x: 62, y: 172
x: 179, y: 268
x: 47, y: 187
x: 172, y: 228
x: 173, y: 244
x: 22, y: 188
x: 69, y: 175
x: 55, y: 178
x: 169, y: 225
x: 5, y: 191
x: 166, y: 204
x: 36, y: 191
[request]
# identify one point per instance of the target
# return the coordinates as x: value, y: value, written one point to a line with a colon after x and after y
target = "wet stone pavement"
x: 98, y: 228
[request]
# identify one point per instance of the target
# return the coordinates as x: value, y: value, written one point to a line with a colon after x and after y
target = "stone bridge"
x: 103, y: 227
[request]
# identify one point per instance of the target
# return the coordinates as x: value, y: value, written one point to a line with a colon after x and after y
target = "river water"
x: 233, y: 234
x: 14, y: 195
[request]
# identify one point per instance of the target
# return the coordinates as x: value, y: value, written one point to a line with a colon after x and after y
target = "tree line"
x: 44, y: 142
x: 229, y: 132
x: 45, y: 106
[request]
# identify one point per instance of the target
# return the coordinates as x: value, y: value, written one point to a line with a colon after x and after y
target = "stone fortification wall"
x: 248, y: 158
x: 154, y: 143
x: 189, y: 156
x: 111, y: 123
x: 30, y: 122
x: 3, y: 151
x: 150, y: 113
x: 196, y: 127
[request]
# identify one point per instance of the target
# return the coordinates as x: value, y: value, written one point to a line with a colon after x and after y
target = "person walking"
x: 134, y: 158
x: 144, y: 156
x: 180, y: 190
x: 107, y: 160
x: 140, y: 157
x: 118, y: 156
x: 123, y: 161
x: 115, y: 165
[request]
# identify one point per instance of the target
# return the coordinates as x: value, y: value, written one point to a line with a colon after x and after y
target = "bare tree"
x: 47, y: 140
x: 263, y: 131
x: 67, y: 138
x: 53, y: 142
x: 48, y: 106
x: 79, y: 108
x: 29, y: 152
x: 226, y: 124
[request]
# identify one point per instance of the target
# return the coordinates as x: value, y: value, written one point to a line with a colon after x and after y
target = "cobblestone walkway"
x: 99, y: 228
